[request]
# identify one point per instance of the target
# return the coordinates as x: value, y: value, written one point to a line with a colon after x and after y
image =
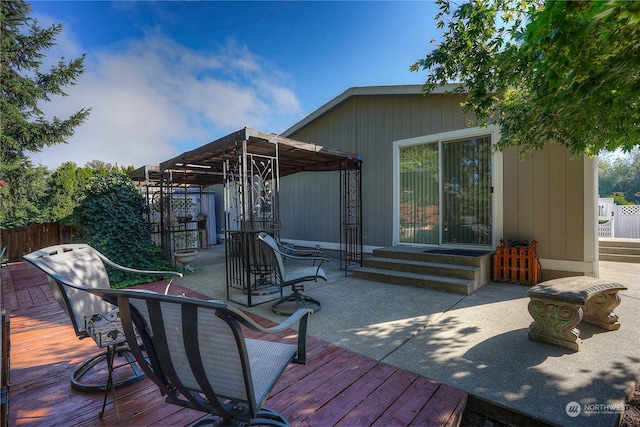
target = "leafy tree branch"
x: 555, y: 71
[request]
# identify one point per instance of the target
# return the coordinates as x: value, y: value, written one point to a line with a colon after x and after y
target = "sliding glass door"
x: 466, y: 193
x: 445, y: 192
x: 419, y: 194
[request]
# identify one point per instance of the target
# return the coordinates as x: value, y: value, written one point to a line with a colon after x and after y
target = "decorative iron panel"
x: 350, y: 218
x: 251, y: 206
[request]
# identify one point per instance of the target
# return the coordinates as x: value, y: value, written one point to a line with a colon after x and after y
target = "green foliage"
x: 556, y: 71
x: 420, y: 157
x: 110, y: 218
x: 620, y: 175
x: 65, y: 191
x: 23, y: 87
x: 619, y: 199
x: 22, y: 202
x: 102, y: 168
x: 66, y: 188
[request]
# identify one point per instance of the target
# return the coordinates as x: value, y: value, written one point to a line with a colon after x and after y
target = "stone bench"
x: 557, y: 307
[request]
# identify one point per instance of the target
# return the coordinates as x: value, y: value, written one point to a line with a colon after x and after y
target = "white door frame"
x: 496, y: 175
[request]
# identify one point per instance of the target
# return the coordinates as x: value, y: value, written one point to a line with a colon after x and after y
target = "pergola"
x: 249, y: 164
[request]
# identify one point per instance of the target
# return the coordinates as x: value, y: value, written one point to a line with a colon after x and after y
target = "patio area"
x: 476, y: 343
x: 438, y: 342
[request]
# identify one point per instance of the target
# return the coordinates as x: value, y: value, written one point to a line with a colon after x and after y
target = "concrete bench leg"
x: 554, y: 322
x: 599, y: 310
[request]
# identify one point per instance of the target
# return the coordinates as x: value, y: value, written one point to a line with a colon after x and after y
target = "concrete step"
x: 620, y: 250
x: 459, y: 271
x: 420, y: 267
x: 474, y: 258
x: 624, y: 243
x: 440, y: 283
x: 620, y: 258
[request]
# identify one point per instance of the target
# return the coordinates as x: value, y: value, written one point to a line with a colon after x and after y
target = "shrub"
x: 110, y: 218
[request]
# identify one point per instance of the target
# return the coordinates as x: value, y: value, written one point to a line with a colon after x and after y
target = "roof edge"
x: 363, y: 91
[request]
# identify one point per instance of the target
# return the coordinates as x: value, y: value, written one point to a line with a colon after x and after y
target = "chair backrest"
x: 196, y: 349
x: 4, y: 259
x: 272, y: 256
x: 77, y: 265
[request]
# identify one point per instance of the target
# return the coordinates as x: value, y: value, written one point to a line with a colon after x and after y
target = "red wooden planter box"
x: 515, y: 264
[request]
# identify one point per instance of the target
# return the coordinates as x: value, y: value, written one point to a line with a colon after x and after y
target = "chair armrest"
x: 304, y: 258
x: 310, y: 255
x: 136, y: 271
x: 319, y: 260
x: 317, y: 253
x: 316, y: 257
x: 301, y: 316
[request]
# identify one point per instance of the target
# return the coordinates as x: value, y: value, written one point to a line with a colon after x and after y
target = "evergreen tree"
x: 28, y: 188
x: 24, y: 127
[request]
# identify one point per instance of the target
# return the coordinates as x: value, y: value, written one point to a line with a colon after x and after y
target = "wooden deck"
x: 336, y: 387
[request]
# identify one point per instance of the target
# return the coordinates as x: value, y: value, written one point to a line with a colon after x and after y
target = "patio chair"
x: 4, y: 259
x: 72, y: 265
x: 274, y: 257
x: 199, y: 358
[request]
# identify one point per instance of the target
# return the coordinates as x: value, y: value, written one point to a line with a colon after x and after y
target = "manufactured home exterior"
x: 418, y: 151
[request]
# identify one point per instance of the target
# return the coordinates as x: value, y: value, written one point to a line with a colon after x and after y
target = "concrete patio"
x: 477, y: 343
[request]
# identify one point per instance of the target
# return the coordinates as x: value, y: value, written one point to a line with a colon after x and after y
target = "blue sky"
x: 164, y: 77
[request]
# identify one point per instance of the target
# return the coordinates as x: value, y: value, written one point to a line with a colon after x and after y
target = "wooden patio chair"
x: 199, y: 358
x: 70, y: 267
x: 274, y: 257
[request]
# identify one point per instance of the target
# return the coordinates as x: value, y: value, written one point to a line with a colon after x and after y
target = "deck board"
x: 380, y: 400
x: 335, y: 387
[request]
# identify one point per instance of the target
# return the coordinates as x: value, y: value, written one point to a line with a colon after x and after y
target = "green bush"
x: 619, y: 198
x: 110, y: 218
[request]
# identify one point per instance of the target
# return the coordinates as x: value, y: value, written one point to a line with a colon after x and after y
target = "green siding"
x: 547, y: 188
x: 366, y: 125
x: 543, y: 193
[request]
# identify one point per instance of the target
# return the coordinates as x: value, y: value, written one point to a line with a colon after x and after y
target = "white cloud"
x: 153, y: 98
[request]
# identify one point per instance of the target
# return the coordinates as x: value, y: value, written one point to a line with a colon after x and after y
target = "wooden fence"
x: 23, y: 240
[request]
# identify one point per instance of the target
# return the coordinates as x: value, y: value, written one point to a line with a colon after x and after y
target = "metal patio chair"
x: 70, y: 267
x: 295, y: 278
x: 4, y: 259
x: 199, y: 358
